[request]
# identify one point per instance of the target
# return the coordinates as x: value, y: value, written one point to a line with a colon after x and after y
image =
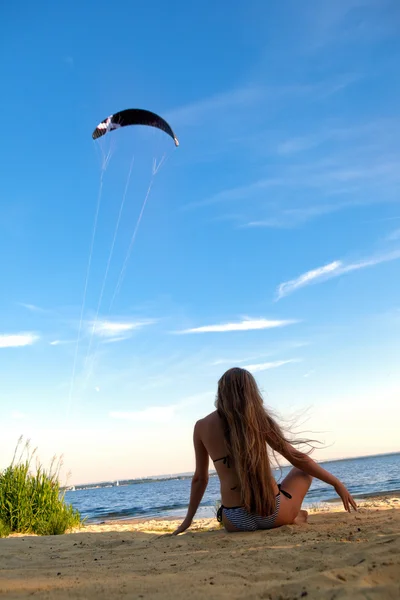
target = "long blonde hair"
x: 248, y: 427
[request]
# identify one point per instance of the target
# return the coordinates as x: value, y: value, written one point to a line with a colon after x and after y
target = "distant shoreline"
x: 185, y: 476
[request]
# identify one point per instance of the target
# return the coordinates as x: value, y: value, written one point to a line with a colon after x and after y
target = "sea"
x: 152, y: 498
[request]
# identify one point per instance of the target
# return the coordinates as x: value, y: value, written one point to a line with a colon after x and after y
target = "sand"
x: 336, y: 555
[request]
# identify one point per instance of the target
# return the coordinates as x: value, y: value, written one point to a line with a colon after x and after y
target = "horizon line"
x: 190, y: 473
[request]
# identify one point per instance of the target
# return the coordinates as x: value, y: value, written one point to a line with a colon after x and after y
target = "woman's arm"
x: 199, y: 481
x: 308, y: 465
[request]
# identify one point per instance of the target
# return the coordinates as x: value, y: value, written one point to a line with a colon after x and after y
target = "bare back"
x: 212, y: 436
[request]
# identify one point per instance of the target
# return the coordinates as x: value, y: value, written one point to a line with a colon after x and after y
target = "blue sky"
x: 270, y: 238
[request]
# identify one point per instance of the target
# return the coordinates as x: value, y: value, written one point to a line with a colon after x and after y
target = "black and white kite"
x: 133, y: 116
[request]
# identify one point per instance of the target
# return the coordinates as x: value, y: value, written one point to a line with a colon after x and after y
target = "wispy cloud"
x: 160, y: 414
x: 32, y: 307
x: 309, y: 373
x: 61, y: 342
x: 393, y: 236
x: 339, y: 165
x: 117, y: 330
x: 278, y: 348
x: 17, y: 340
x: 230, y: 361
x: 18, y: 415
x: 238, y: 193
x: 333, y: 269
x: 289, y: 287
x: 334, y: 185
x: 119, y: 338
x: 286, y: 219
x: 225, y: 104
x: 69, y: 61
x: 385, y: 219
x: 351, y: 22
x: 198, y: 110
x: 309, y: 141
x: 246, y: 324
x: 153, y: 414
x: 269, y: 365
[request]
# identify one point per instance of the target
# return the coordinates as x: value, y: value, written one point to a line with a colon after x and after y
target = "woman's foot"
x: 301, y: 518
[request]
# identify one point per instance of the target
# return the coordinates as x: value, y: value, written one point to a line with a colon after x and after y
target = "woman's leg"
x: 296, y: 483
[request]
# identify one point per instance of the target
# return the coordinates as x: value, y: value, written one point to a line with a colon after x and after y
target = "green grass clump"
x: 31, y: 502
x: 4, y: 530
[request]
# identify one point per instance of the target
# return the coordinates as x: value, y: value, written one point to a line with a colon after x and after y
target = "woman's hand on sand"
x: 182, y: 527
x: 345, y: 495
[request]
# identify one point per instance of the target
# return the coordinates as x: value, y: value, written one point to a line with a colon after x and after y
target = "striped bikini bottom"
x: 245, y: 521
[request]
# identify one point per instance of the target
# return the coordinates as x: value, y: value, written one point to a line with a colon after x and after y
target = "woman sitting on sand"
x: 235, y: 436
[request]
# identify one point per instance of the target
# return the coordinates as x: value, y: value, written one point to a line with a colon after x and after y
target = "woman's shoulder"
x: 208, y: 419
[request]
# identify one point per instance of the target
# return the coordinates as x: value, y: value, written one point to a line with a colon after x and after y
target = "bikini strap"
x: 283, y: 492
x: 226, y: 460
x: 219, y: 511
x: 219, y: 514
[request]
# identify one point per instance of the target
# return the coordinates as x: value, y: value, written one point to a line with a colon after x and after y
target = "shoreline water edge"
x: 364, y: 478
x: 380, y: 500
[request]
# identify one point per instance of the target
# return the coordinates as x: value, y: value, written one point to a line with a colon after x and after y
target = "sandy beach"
x: 336, y: 555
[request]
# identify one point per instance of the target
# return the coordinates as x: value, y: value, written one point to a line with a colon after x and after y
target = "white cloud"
x: 18, y: 416
x: 292, y: 217
x: 333, y: 269
x: 357, y: 165
x: 198, y: 110
x: 32, y: 307
x: 225, y: 361
x: 61, y: 342
x: 309, y: 373
x: 114, y: 340
x: 69, y: 61
x: 393, y: 236
x: 117, y: 330
x: 269, y: 365
x: 225, y: 105
x: 309, y: 277
x: 341, y: 176
x: 240, y: 192
x: 307, y: 142
x: 17, y: 340
x: 246, y: 324
x: 278, y: 349
x: 153, y: 414
x: 325, y: 133
x: 160, y: 414
x: 371, y: 262
x: 350, y: 21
